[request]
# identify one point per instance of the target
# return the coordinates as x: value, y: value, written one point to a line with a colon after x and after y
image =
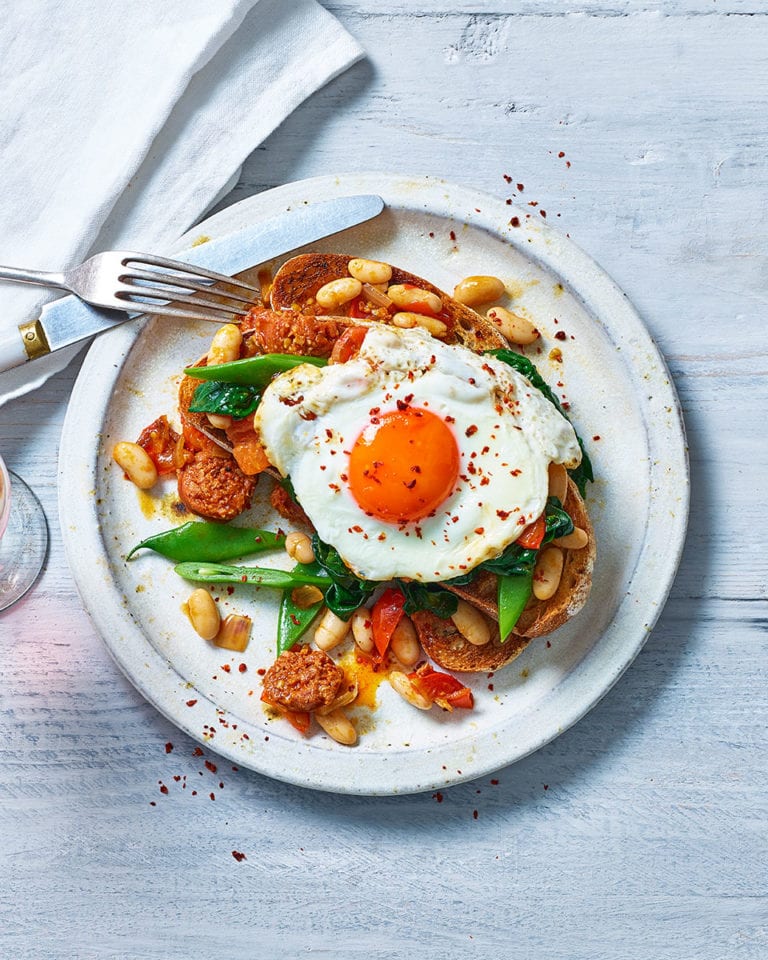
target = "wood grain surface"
x: 641, y: 832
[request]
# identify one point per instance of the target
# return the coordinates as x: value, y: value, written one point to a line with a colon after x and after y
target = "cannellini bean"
x: 576, y: 540
x: 225, y: 346
x: 405, y: 642
x: 330, y: 631
x: 547, y: 573
x: 403, y: 685
x: 472, y: 291
x: 298, y: 546
x: 204, y: 614
x: 136, y: 463
x: 370, y: 271
x: 219, y: 420
x: 471, y: 624
x: 432, y: 325
x: 406, y: 297
x: 336, y: 292
x: 338, y: 727
x: 515, y: 328
x: 362, y: 629
x: 558, y: 481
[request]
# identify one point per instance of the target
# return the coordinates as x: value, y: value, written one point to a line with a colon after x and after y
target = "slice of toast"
x: 298, y: 280
x: 443, y: 643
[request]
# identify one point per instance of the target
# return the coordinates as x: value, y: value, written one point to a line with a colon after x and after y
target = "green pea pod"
x: 513, y: 593
x: 292, y: 621
x: 202, y: 541
x: 256, y: 576
x: 252, y: 371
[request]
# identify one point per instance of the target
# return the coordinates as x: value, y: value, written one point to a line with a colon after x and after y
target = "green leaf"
x: 225, y: 399
x: 348, y: 591
x: 580, y: 475
x: 428, y: 596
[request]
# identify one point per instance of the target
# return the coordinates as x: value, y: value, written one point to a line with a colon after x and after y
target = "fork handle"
x: 41, y: 277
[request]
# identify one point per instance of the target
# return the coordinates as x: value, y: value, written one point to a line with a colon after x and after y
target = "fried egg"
x: 415, y: 459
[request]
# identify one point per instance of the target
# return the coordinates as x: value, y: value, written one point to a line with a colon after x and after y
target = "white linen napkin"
x: 123, y: 122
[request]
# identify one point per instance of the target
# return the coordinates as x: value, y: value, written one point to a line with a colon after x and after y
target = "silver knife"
x: 69, y: 320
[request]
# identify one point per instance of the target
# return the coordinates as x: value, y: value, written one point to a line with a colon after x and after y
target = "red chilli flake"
x: 239, y: 856
x: 191, y: 703
x: 561, y: 335
x: 514, y: 222
x: 520, y: 187
x: 475, y: 814
x: 168, y: 747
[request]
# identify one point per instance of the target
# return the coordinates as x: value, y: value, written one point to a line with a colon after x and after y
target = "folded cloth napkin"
x: 122, y: 123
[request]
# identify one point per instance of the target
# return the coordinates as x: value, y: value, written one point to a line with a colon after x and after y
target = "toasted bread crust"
x: 443, y: 643
x: 298, y: 280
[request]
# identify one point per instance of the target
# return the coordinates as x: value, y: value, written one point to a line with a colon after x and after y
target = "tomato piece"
x: 385, y: 616
x: 445, y: 689
x: 348, y: 344
x: 531, y: 538
x: 161, y: 442
x: 299, y: 720
x: 355, y: 309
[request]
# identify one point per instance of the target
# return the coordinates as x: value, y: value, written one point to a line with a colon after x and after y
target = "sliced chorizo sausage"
x: 302, y: 679
x: 215, y: 487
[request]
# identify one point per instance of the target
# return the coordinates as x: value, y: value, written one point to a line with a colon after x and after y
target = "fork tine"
x: 130, y: 295
x: 157, y: 309
x: 183, y: 282
x: 190, y: 269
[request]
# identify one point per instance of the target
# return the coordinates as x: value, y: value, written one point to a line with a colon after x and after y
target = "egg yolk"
x: 403, y: 465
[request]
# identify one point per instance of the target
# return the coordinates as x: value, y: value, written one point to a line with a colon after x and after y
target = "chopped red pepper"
x: 446, y: 690
x: 385, y: 616
x: 356, y: 311
x: 531, y: 538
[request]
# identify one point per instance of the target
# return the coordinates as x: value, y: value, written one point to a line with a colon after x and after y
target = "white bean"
x: 406, y: 297
x: 219, y: 420
x: 432, y: 325
x: 337, y: 292
x: 472, y: 291
x: 136, y: 463
x: 298, y: 546
x: 225, y: 346
x: 405, y: 642
x: 547, y: 573
x: 338, y: 727
x: 576, y: 540
x: 471, y: 624
x: 330, y: 631
x: 370, y: 271
x: 204, y: 614
x: 403, y: 685
x: 362, y: 629
x: 558, y: 481
x: 514, y: 327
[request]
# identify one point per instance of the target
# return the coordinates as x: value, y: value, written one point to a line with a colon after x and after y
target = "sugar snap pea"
x: 256, y: 576
x: 202, y: 541
x: 252, y: 371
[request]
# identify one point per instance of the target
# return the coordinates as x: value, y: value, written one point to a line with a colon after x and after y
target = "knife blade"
x: 69, y: 320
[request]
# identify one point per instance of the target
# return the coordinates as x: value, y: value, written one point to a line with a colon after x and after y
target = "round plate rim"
x: 132, y: 650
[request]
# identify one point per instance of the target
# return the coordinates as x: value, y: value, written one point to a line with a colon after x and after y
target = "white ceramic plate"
x: 619, y: 390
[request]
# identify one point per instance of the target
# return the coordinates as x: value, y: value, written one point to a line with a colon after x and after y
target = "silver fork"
x: 121, y: 280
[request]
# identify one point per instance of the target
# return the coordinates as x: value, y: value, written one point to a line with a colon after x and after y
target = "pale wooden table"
x: 641, y: 832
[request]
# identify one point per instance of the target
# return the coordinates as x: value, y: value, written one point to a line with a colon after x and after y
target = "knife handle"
x: 22, y: 343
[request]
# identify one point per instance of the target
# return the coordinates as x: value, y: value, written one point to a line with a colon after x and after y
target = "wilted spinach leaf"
x: 428, y: 596
x: 348, y: 591
x: 226, y: 399
x: 580, y: 475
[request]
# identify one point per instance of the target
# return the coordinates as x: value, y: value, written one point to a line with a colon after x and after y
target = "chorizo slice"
x: 215, y: 487
x: 302, y: 679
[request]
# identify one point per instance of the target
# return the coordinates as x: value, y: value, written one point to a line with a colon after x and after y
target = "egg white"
x: 507, y: 433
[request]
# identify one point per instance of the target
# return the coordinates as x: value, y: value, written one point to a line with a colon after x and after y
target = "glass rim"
x: 5, y: 494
